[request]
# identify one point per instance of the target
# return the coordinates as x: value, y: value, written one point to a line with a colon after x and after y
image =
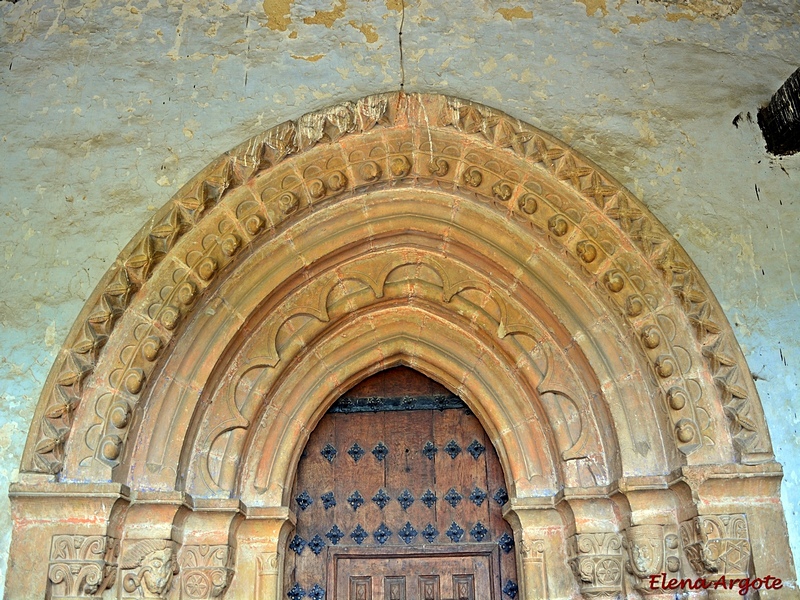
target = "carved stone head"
x: 646, y: 549
x: 152, y: 565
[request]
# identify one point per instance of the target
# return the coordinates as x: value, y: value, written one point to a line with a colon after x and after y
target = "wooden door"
x: 426, y: 575
x: 399, y: 496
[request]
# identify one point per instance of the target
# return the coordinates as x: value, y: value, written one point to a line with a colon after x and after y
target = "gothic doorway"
x: 399, y: 496
x: 422, y: 231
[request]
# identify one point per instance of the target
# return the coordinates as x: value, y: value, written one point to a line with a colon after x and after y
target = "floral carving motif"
x: 205, y: 571
x: 586, y: 251
x: 438, y: 166
x: 473, y: 177
x: 597, y: 564
x: 528, y: 204
x: 81, y: 566
x: 502, y: 191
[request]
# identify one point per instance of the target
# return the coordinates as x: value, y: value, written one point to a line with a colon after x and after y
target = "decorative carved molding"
x: 596, y: 560
x: 449, y: 285
x: 81, y: 566
x: 205, y: 571
x: 718, y: 545
x: 204, y: 240
x: 147, y: 568
x: 652, y: 549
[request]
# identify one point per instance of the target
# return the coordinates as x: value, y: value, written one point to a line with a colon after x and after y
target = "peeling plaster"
x: 509, y: 14
x: 327, y: 17
x: 277, y: 12
x: 370, y: 35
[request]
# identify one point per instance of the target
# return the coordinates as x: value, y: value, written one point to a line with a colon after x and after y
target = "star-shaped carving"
x: 470, y: 120
x: 685, y: 290
x: 62, y: 404
x: 701, y: 319
x: 504, y: 133
x: 167, y: 230
x: 372, y: 111
x: 671, y: 263
x: 622, y: 212
x: 141, y: 260
x: 598, y: 190
x: 649, y: 239
x: 90, y: 341
x: 569, y: 170
x: 717, y: 357
x: 282, y: 140
x: 519, y: 141
x: 732, y: 394
x: 544, y: 154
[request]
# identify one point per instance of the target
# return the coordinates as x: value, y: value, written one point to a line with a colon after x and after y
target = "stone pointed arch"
x: 399, y: 229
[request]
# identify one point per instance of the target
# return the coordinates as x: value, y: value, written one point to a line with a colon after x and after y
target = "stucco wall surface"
x: 109, y: 107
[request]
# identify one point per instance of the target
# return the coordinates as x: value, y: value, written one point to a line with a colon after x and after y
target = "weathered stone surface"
x: 109, y: 108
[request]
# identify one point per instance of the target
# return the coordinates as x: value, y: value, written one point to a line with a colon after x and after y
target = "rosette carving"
x: 596, y: 561
x: 205, y: 571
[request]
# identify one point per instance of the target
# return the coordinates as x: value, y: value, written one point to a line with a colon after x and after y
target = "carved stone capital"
x: 205, y: 571
x: 596, y: 560
x: 267, y: 563
x: 652, y: 549
x: 147, y: 568
x: 81, y: 566
x: 717, y: 545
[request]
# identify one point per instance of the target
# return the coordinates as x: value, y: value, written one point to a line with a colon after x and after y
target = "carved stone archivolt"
x: 400, y: 229
x: 299, y: 165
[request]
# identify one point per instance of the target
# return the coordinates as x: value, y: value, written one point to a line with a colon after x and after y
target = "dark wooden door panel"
x: 382, y: 482
x: 416, y: 577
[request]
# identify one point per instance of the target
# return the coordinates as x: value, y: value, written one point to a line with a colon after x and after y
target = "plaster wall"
x: 109, y: 107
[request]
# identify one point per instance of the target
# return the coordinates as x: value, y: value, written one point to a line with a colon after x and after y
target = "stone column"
x: 148, y: 560
x: 202, y: 528
x: 596, y: 553
x: 740, y: 530
x: 539, y: 532
x: 260, y: 540
x: 60, y: 547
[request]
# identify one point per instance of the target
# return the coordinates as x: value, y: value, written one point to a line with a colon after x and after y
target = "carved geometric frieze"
x: 205, y: 571
x: 81, y: 566
x: 652, y: 550
x: 718, y: 545
x: 597, y: 563
x: 147, y: 568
